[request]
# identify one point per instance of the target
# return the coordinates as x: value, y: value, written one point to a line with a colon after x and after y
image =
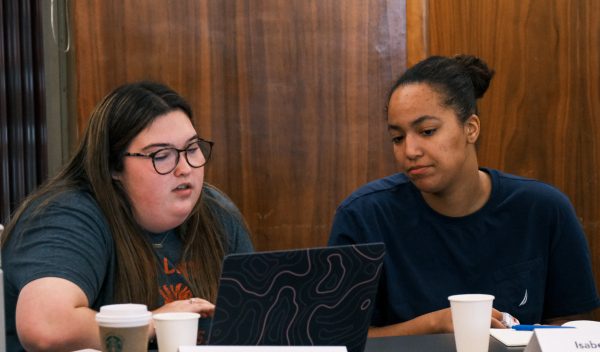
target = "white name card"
x: 564, y: 340
x: 263, y: 349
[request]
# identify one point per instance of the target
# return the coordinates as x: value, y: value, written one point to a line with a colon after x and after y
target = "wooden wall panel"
x: 292, y: 92
x: 541, y: 116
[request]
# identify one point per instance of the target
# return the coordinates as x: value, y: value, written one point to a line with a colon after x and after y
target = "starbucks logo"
x: 113, y: 344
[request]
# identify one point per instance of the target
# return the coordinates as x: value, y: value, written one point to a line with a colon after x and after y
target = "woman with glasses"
x: 128, y: 219
x: 453, y: 227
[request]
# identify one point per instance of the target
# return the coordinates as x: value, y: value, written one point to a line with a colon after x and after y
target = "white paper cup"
x: 124, y: 327
x: 175, y: 329
x: 471, y: 317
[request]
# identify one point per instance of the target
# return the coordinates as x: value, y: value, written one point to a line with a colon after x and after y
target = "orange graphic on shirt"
x: 177, y: 292
x: 180, y: 269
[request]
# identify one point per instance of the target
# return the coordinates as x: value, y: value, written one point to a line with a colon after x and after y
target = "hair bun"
x: 480, y: 73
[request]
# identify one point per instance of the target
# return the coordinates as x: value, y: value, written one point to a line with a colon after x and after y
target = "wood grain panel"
x: 541, y: 116
x: 416, y: 31
x: 292, y: 92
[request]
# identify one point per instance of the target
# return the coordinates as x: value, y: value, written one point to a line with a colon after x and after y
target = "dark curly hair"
x: 461, y: 80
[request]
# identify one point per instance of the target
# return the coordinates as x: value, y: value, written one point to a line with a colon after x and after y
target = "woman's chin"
x: 178, y: 219
x: 425, y: 185
x: 166, y: 223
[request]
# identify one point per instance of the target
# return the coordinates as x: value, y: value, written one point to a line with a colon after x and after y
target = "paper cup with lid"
x: 124, y: 327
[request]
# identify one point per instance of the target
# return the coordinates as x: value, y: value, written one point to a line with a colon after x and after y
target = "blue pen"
x: 523, y: 327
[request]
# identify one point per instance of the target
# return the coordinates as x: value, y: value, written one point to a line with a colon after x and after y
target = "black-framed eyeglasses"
x: 165, y: 160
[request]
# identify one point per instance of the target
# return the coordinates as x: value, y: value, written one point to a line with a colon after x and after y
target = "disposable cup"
x: 124, y: 327
x: 471, y: 318
x: 175, y: 329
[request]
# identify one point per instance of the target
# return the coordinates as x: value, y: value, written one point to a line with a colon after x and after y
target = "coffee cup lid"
x: 123, y: 315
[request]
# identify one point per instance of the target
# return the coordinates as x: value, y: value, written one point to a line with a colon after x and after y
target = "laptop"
x: 315, y: 296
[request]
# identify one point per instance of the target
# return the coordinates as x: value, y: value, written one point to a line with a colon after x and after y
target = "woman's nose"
x: 412, y: 148
x: 182, y: 167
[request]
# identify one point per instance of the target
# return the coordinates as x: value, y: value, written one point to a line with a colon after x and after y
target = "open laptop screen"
x: 315, y: 296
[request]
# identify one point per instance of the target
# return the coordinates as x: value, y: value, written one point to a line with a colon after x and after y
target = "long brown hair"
x: 115, y: 121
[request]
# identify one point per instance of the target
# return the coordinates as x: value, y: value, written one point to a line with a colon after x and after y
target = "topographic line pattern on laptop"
x: 317, y: 296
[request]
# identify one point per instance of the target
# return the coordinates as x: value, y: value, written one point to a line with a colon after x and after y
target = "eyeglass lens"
x: 196, y: 154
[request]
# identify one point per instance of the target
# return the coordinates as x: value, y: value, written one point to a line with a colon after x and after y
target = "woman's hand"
x: 442, y: 320
x: 502, y: 320
x: 193, y: 305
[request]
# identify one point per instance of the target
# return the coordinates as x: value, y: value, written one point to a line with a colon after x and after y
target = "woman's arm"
x: 431, y: 323
x: 52, y: 314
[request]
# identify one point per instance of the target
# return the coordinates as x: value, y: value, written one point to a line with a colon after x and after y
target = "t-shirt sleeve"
x: 230, y: 217
x: 344, y: 230
x: 239, y: 238
x: 570, y: 287
x: 68, y: 239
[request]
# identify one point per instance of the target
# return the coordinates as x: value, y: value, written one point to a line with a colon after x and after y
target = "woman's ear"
x: 472, y: 128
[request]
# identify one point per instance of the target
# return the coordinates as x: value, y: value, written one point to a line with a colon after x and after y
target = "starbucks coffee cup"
x: 124, y: 327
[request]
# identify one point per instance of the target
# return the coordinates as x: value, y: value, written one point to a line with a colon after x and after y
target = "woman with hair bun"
x: 453, y: 227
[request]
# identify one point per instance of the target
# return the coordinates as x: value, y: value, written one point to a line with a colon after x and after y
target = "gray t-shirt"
x: 71, y: 239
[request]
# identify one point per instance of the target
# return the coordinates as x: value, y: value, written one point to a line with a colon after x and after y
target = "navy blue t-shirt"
x: 525, y: 246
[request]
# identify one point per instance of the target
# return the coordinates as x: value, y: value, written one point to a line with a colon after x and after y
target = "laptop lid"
x: 314, y: 296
